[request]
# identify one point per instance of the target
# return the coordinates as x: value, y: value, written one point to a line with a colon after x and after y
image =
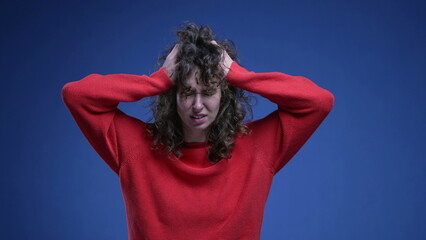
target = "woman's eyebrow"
x: 187, y: 87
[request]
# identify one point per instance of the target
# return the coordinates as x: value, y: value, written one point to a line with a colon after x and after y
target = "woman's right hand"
x: 170, y: 63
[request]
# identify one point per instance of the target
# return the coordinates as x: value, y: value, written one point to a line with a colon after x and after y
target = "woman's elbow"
x: 325, y: 101
x: 73, y: 91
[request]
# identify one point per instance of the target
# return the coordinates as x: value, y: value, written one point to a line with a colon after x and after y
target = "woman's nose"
x: 198, y: 102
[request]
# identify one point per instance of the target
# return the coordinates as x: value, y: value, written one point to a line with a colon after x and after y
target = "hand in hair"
x: 170, y: 62
x: 226, y: 59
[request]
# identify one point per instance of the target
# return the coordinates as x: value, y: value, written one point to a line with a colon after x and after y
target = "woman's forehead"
x: 194, y: 81
x: 194, y: 78
x: 192, y: 84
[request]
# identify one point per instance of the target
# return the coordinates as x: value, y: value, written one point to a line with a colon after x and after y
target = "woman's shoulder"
x: 260, y: 127
x: 130, y: 128
x: 263, y: 122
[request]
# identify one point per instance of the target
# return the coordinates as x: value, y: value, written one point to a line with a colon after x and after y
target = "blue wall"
x: 362, y: 175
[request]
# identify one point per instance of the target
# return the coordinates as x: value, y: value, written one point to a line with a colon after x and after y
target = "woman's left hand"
x: 226, y: 60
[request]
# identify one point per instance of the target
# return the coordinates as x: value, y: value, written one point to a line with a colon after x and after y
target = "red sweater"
x: 187, y: 198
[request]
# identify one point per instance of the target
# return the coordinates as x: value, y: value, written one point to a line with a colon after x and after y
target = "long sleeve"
x: 302, y: 106
x: 93, y: 103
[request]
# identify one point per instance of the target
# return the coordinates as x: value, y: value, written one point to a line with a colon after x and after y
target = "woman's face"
x: 197, y: 108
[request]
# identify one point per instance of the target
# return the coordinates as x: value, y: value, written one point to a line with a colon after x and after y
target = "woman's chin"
x: 201, y: 127
x: 198, y: 127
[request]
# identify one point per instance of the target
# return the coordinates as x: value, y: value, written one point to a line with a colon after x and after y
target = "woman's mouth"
x: 199, y: 118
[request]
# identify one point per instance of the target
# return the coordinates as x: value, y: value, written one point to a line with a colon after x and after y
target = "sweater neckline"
x: 191, y: 162
x: 195, y: 144
x: 201, y: 172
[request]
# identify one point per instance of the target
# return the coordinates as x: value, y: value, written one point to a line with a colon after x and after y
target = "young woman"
x: 197, y: 171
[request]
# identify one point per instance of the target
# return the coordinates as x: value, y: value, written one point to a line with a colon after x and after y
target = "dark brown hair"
x: 196, y: 50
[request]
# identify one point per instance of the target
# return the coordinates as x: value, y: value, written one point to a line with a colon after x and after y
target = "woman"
x: 197, y: 172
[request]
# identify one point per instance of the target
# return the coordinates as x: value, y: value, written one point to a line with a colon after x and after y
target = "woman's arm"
x: 93, y: 100
x: 302, y: 106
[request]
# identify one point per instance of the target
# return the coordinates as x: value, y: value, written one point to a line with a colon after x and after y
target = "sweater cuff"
x: 162, y: 78
x: 234, y: 73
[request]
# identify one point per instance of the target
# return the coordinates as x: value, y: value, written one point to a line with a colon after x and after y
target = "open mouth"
x: 198, y: 116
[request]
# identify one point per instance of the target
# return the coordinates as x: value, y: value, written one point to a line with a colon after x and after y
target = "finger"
x: 175, y: 48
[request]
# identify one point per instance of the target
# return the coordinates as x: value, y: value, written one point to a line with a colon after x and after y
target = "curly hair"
x: 197, y: 51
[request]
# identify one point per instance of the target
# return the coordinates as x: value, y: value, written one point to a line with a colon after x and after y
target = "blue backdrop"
x: 362, y: 175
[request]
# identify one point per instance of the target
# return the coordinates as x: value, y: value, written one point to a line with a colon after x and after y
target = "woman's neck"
x: 195, y: 136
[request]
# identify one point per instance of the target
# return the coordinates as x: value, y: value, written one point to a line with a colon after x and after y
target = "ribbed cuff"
x: 234, y: 73
x: 162, y: 77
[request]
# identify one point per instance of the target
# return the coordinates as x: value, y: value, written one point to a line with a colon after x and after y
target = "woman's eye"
x: 187, y: 94
x: 209, y: 93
